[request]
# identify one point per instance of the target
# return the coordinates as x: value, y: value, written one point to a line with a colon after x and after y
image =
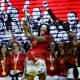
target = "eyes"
x: 14, y: 46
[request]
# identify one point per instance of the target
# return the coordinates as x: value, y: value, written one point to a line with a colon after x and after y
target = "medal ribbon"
x: 3, y: 64
x: 15, y: 61
x: 51, y: 60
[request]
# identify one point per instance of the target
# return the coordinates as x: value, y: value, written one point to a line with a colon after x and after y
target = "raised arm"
x: 52, y: 15
x: 30, y: 35
x: 64, y: 24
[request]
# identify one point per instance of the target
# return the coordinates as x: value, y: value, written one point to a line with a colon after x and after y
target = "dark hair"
x: 48, y: 29
x: 56, y: 46
x: 26, y: 46
x: 8, y: 22
x: 1, y: 51
x: 16, y: 43
x: 2, y: 46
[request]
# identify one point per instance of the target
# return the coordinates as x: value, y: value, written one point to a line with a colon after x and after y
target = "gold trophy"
x: 3, y: 73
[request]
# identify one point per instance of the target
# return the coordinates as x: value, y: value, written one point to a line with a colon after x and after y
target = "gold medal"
x: 53, y: 59
x: 62, y: 61
x: 51, y: 68
x: 3, y: 73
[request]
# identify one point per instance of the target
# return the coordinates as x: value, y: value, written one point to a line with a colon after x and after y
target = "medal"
x: 62, y: 61
x: 53, y: 59
x: 51, y: 68
x: 3, y: 73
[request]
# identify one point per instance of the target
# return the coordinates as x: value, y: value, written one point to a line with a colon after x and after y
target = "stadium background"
x: 59, y: 7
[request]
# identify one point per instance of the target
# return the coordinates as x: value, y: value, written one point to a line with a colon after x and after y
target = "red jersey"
x: 62, y: 66
x: 4, y: 64
x: 39, y: 49
x: 43, y: 45
x: 54, y: 65
x: 73, y: 61
x: 20, y: 61
x: 35, y: 56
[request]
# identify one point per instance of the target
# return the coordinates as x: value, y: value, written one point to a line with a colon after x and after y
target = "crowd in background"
x: 58, y: 28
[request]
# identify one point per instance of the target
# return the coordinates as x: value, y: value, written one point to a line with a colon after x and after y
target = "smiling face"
x: 52, y: 46
x: 15, y: 47
x: 43, y: 29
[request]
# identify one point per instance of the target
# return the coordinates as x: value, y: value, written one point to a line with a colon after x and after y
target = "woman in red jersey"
x: 42, y: 41
x: 62, y: 61
x: 74, y: 60
x: 17, y: 60
x: 51, y: 62
x: 4, y: 62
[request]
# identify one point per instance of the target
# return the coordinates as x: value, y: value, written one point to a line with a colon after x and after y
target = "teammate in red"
x: 51, y: 62
x: 4, y: 62
x: 16, y: 61
x: 74, y: 60
x: 62, y: 62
